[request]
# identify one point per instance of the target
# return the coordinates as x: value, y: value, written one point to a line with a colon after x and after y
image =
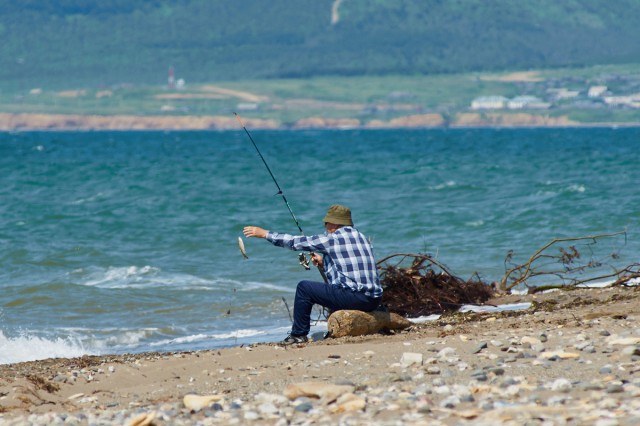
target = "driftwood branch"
x: 416, y: 256
x: 568, y: 265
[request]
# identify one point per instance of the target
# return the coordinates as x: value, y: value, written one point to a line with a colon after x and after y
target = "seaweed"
x: 427, y: 287
x: 42, y: 383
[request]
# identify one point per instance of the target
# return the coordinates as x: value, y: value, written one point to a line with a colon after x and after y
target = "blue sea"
x: 120, y: 242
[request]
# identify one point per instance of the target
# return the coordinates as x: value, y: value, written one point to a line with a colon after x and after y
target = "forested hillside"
x: 73, y: 43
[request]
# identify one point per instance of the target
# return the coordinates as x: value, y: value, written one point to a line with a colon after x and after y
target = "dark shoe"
x: 291, y: 340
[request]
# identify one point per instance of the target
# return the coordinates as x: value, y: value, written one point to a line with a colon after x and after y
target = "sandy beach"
x: 573, y: 358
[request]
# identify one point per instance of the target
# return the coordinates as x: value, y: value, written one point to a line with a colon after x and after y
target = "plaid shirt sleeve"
x: 348, y: 257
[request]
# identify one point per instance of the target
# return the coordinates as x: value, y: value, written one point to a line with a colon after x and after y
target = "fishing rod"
x: 301, y: 257
x: 270, y: 173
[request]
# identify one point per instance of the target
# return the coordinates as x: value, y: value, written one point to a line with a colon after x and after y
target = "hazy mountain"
x: 71, y: 43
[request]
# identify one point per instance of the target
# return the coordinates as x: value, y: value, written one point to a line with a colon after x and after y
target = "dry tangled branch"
x: 422, y: 290
x: 569, y: 266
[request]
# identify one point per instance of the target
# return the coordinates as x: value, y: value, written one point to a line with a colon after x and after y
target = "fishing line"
x: 270, y: 173
x: 301, y: 257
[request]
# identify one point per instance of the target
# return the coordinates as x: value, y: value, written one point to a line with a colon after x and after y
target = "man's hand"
x: 254, y: 231
x: 316, y: 259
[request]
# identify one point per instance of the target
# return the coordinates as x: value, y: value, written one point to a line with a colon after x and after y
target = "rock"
x: 450, y: 402
x: 251, y: 415
x: 433, y: 370
x: 357, y: 323
x: 614, y: 388
x: 60, y: 378
x: 267, y: 408
x: 606, y: 422
x: 530, y: 340
x: 305, y: 407
x: 561, y: 385
x: 348, y: 403
x: 410, y: 358
x: 559, y: 355
x: 630, y: 351
x: 498, y: 371
x: 446, y: 352
x: 144, y: 419
x: 197, y: 402
x: 479, y: 376
x: 625, y: 341
x: 271, y: 398
x: 480, y: 347
x: 538, y: 348
x: 606, y: 369
x: 325, y: 391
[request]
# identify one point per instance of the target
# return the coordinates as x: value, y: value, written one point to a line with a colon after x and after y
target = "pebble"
x: 481, y: 346
x: 502, y: 380
x: 410, y: 358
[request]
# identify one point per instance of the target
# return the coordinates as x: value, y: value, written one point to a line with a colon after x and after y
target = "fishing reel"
x: 304, y: 261
x: 305, y: 264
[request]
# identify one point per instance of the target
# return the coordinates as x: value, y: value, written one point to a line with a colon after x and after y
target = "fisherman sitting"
x: 345, y: 256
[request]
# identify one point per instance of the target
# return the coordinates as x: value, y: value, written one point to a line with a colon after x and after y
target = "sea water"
x: 114, y: 242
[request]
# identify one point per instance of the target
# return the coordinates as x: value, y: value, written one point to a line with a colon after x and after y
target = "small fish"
x: 241, y: 245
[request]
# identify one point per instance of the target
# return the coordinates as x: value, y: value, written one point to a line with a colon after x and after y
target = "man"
x: 347, y: 260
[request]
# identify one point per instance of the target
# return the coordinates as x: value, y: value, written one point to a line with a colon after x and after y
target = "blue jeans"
x: 333, y: 297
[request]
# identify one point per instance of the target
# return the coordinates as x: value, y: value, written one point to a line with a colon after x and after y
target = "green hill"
x: 57, y: 44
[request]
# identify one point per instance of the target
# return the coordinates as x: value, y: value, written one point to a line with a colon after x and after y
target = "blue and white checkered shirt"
x: 348, y: 257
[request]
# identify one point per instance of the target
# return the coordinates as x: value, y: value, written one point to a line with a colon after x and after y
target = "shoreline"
x: 572, y: 358
x: 29, y: 122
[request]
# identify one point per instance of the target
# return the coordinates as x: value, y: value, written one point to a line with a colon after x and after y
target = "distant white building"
x: 597, y: 91
x: 527, y: 102
x: 564, y: 93
x: 632, y: 101
x: 489, y: 102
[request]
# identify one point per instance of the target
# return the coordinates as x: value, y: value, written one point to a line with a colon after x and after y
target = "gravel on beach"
x: 573, y: 358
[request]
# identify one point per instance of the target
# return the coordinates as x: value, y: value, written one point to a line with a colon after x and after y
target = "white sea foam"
x: 600, y: 284
x: 30, y: 348
x: 120, y: 277
x: 91, y: 199
x: 119, y: 338
x: 556, y: 189
x: 576, y: 188
x: 448, y: 184
x: 124, y: 277
x: 239, y: 334
x: 475, y: 223
x: 252, y: 286
x: 207, y: 341
x: 181, y: 340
